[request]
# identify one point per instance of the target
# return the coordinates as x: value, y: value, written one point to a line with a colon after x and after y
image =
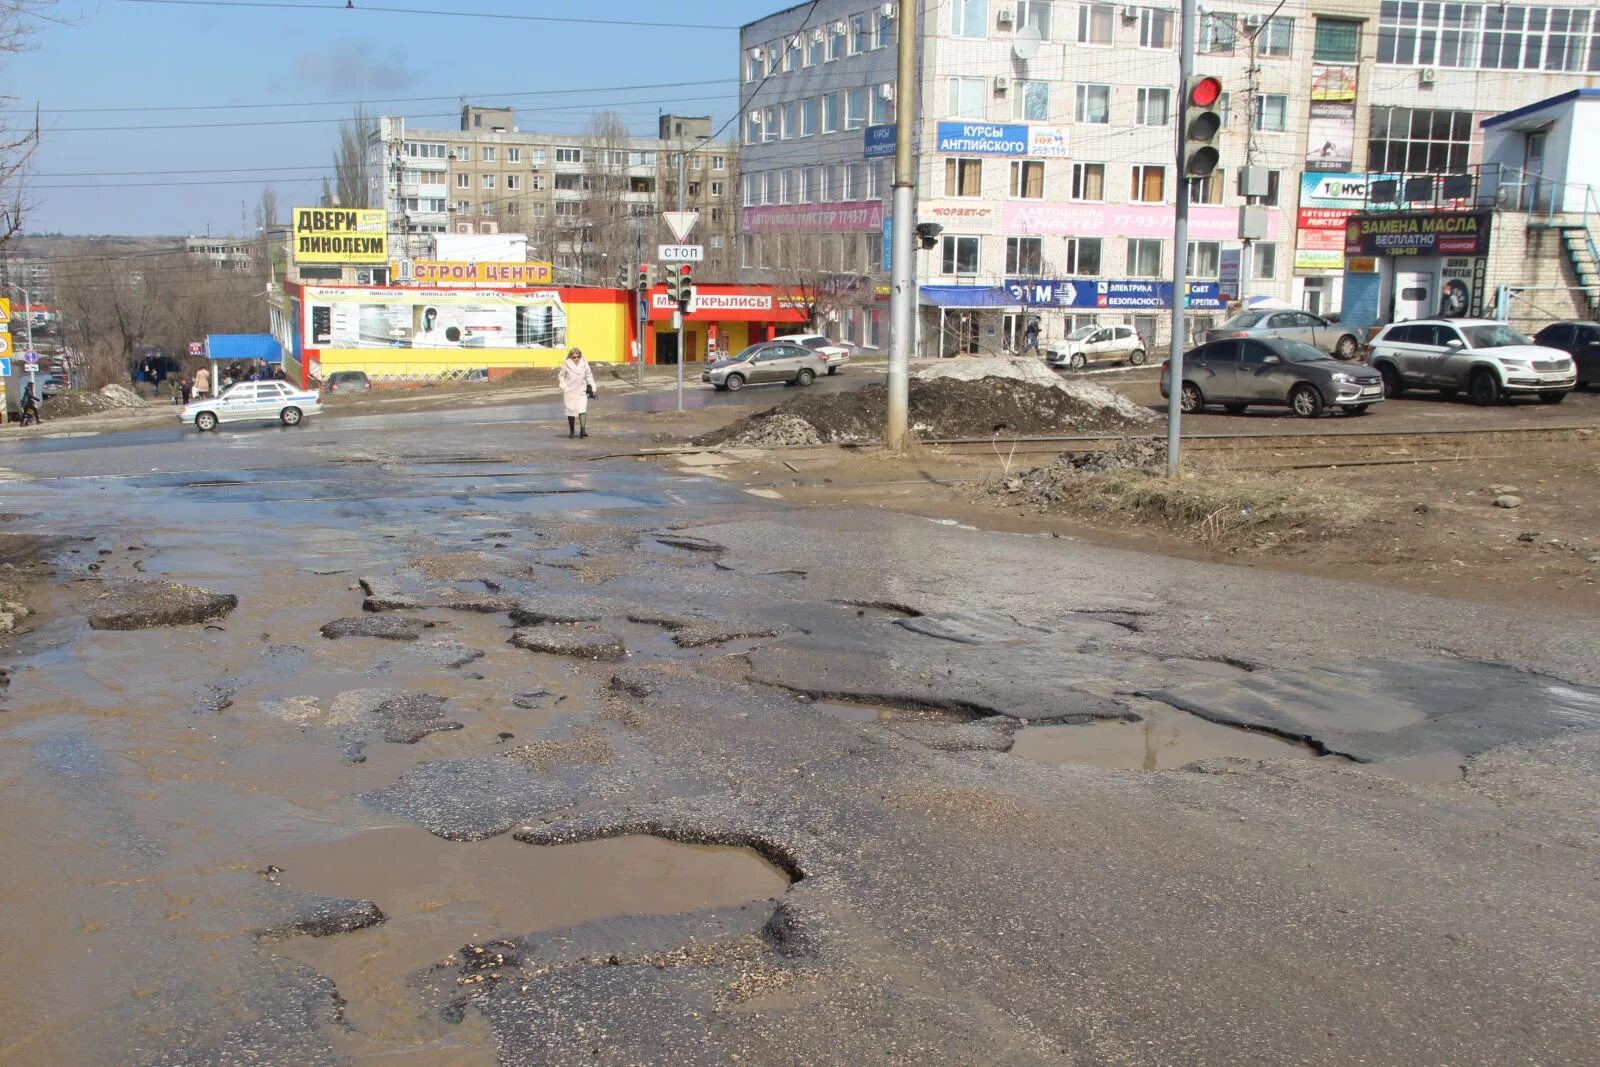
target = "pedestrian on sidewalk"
x: 202, y: 382
x: 577, y: 386
x: 1030, y: 337
x: 188, y: 390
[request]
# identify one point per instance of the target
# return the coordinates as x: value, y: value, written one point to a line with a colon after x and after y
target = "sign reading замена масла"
x: 341, y: 235
x: 992, y: 139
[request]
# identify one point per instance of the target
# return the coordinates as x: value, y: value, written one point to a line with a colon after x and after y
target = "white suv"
x: 1486, y: 359
x: 1096, y: 344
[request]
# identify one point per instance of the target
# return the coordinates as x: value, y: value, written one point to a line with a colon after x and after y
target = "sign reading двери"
x: 993, y: 139
x: 341, y: 235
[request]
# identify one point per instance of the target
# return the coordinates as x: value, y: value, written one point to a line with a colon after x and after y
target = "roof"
x: 261, y: 346
x: 1540, y: 105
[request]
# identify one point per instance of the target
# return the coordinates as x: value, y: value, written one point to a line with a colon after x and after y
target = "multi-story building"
x: 223, y: 253
x: 1046, y: 134
x: 588, y: 203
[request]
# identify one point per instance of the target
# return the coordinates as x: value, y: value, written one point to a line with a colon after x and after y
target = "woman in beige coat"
x: 577, y: 386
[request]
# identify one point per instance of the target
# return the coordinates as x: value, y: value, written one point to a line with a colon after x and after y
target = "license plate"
x: 1371, y: 390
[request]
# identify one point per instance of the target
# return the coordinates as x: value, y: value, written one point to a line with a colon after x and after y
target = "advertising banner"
x: 960, y: 216
x: 341, y: 235
x: 1331, y: 136
x: 878, y: 141
x: 1326, y: 203
x: 1228, y: 274
x: 440, y: 318
x: 814, y: 218
x: 441, y: 272
x: 1108, y: 295
x: 1464, y: 234
x: 994, y: 139
x: 1329, y: 82
x: 1124, y: 220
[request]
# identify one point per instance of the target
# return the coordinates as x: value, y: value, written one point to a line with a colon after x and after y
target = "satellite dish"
x: 1026, y: 43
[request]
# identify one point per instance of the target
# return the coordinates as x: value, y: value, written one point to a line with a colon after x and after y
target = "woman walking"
x: 577, y: 386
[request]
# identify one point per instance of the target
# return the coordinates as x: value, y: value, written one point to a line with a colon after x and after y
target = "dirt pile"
x: 77, y: 402
x: 940, y: 406
x: 1043, y: 486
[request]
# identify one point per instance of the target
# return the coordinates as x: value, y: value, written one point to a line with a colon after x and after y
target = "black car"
x: 1580, y: 340
x: 348, y: 381
x: 1240, y: 372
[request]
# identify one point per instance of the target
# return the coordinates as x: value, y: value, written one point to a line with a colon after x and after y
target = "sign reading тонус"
x: 341, y: 235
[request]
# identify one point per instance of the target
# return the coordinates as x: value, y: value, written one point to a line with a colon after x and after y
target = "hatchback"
x: 770, y: 361
x: 348, y: 381
x: 1240, y: 373
x: 1096, y: 344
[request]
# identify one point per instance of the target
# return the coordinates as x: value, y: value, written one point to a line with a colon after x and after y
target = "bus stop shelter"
x: 246, y: 348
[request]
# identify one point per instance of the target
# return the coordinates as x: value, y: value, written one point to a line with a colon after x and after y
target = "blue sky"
x: 124, y: 54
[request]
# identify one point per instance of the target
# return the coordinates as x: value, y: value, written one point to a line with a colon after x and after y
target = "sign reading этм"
x: 341, y: 235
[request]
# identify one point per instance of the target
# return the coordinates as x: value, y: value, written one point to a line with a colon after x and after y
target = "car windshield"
x: 1299, y: 352
x: 814, y: 342
x: 1081, y: 332
x: 746, y: 354
x: 1492, y: 336
x: 1243, y: 321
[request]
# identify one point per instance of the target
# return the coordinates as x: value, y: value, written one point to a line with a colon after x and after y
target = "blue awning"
x: 244, y: 347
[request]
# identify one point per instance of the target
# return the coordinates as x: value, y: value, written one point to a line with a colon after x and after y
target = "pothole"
x: 1429, y: 769
x: 1164, y: 739
x: 440, y: 895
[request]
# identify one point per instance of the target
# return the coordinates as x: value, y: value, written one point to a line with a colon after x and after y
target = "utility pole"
x: 641, y: 297
x: 1180, y: 237
x: 902, y: 275
x: 679, y: 316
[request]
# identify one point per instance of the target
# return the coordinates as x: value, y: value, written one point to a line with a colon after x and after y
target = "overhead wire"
x: 378, y: 9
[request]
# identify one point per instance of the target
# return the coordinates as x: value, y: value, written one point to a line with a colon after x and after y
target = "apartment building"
x: 224, y: 253
x: 1046, y: 143
x: 588, y: 203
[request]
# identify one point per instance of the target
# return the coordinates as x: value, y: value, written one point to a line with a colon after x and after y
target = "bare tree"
x: 19, y: 21
x: 603, y: 234
x: 808, y: 271
x: 267, y: 210
x: 352, y: 166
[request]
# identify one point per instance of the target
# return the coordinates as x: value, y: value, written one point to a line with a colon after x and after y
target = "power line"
x: 372, y: 9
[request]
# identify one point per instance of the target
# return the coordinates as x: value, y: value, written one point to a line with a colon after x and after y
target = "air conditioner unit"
x: 890, y: 10
x: 758, y: 52
x: 818, y: 35
x: 1254, y: 22
x: 1130, y: 14
x: 535, y: 167
x: 1426, y: 76
x: 1001, y: 83
x: 463, y: 227
x: 839, y: 28
x: 886, y: 91
x: 1004, y: 18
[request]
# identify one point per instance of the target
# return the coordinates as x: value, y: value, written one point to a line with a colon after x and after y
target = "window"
x: 513, y: 181
x: 1219, y: 34
x: 786, y: 187
x: 855, y: 181
x: 808, y: 117
x: 836, y: 35
x: 1276, y: 38
x: 774, y: 58
x: 431, y: 177
x: 969, y: 18
x: 568, y: 209
x: 1027, y: 179
x: 1144, y: 257
x: 1419, y: 140
x: 813, y: 49
x: 424, y: 151
x: 1224, y: 109
x: 769, y: 123
x: 752, y: 66
x: 1264, y: 260
x: 963, y: 177
x: 1272, y: 112
x: 965, y: 97
x: 1025, y: 256
x: 463, y: 207
x: 769, y: 187
x: 825, y: 185
x: 791, y: 55
x: 747, y: 190
x: 1035, y: 13
x: 1205, y: 259
x: 719, y: 162
x: 538, y: 156
x: 1155, y: 27
x: 1337, y: 41
x: 1096, y: 23
x: 1149, y: 184
x: 861, y: 27
x: 648, y: 159
x: 570, y: 183
x: 841, y: 181
x: 882, y: 104
x: 1273, y: 178
x: 808, y: 185
x: 716, y: 189
x: 830, y: 113
x: 885, y: 31
x: 960, y: 255
x: 1093, y: 104
x: 788, y: 123
x: 538, y: 181
x: 855, y: 109
x: 569, y: 155
x: 694, y: 188
x: 1082, y: 257
x: 1155, y: 105
x: 1089, y: 182
x: 1030, y: 101
x: 512, y: 208
x: 463, y: 181
x: 488, y: 153
x: 1207, y: 190
x: 513, y: 155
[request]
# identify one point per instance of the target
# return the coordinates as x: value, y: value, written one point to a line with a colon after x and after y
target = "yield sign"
x: 680, y: 222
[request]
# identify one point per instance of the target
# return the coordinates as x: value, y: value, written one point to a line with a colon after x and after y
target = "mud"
x: 578, y: 640
x: 388, y: 627
x: 1161, y: 740
x: 141, y: 605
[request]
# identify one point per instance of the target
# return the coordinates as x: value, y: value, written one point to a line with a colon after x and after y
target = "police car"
x: 252, y: 402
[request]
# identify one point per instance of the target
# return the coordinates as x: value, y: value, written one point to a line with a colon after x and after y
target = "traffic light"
x: 644, y: 277
x: 1202, y: 122
x: 928, y: 233
x: 622, y: 277
x: 686, y: 289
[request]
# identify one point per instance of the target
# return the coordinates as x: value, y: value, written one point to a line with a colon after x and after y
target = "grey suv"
x: 1240, y: 373
x: 769, y: 361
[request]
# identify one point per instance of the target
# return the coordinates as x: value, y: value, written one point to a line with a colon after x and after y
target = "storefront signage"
x: 1331, y: 82
x: 878, y: 141
x: 993, y: 139
x: 1228, y: 274
x: 814, y: 218
x: 1327, y: 201
x: 1330, y: 136
x: 1124, y: 220
x: 441, y: 272
x: 1465, y: 234
x: 705, y: 301
x: 341, y: 235
x: 959, y: 216
x: 436, y: 318
x: 1109, y: 295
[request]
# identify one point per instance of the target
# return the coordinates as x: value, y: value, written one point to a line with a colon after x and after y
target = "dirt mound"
x: 72, y: 402
x: 941, y: 406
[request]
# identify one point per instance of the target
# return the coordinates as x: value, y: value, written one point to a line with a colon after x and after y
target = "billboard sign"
x: 1123, y: 220
x: 878, y: 141
x: 341, y: 235
x: 1455, y: 234
x: 1081, y: 294
x: 1228, y: 274
x: 814, y: 218
x: 1332, y: 82
x: 449, y: 272
x: 1331, y: 136
x: 1000, y: 139
x: 437, y: 318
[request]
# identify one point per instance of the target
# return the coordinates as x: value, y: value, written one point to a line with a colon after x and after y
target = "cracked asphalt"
x: 486, y: 634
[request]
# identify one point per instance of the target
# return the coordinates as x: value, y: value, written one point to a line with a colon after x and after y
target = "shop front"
x: 726, y: 319
x: 1401, y: 266
x: 992, y: 320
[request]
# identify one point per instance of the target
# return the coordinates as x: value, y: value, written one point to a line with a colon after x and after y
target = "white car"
x: 1096, y: 344
x: 1486, y: 359
x: 836, y: 355
x: 252, y: 402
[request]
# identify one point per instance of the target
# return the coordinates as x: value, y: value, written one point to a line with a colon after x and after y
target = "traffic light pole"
x: 641, y: 316
x: 902, y: 274
x: 1180, y: 239
x: 678, y: 317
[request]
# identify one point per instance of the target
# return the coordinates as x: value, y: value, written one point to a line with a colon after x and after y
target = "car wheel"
x: 805, y: 377
x: 1346, y: 347
x: 1077, y: 362
x: 1136, y: 357
x: 1357, y: 409
x: 290, y: 416
x: 1484, y: 388
x: 205, y: 421
x: 1552, y: 398
x: 1234, y: 409
x: 1305, y: 401
x: 735, y: 383
x: 1191, y: 400
x: 1393, y: 384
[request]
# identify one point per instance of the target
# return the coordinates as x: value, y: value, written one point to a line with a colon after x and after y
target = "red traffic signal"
x: 1202, y: 122
x: 1204, y: 91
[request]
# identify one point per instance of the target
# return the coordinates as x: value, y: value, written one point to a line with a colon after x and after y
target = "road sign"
x: 197, y: 348
x: 5, y: 310
x: 5, y: 344
x: 680, y: 253
x: 5, y: 368
x: 30, y: 357
x: 680, y: 222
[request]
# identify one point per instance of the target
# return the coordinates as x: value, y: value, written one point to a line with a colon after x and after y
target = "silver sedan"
x: 1314, y: 330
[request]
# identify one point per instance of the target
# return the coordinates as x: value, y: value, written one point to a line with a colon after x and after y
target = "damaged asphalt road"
x: 833, y: 696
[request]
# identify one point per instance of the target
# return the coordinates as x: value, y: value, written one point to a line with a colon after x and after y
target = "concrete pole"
x: 902, y: 275
x: 640, y: 296
x: 1180, y: 242
x: 679, y: 317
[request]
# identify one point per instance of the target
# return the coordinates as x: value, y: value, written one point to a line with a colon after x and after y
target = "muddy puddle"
x: 1166, y: 739
x: 441, y: 895
x: 1430, y: 769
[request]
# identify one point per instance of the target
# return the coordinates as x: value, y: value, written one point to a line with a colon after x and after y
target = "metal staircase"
x: 1583, y: 253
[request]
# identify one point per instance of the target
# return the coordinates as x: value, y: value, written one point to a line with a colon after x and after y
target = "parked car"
x: 836, y: 354
x: 1581, y: 341
x: 769, y: 361
x: 1096, y: 344
x: 1302, y: 326
x: 1487, y: 359
x: 252, y: 402
x: 347, y: 381
x: 52, y: 384
x: 1272, y: 371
